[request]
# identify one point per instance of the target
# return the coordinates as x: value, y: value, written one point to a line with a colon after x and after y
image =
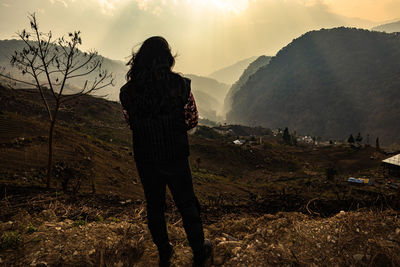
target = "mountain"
x: 209, y: 95
x: 207, y: 106
x: 328, y: 83
x: 118, y: 68
x: 388, y: 27
x: 231, y: 74
x: 209, y: 86
x: 250, y: 70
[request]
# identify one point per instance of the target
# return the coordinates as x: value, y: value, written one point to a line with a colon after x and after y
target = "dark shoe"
x: 165, y: 252
x: 206, y: 259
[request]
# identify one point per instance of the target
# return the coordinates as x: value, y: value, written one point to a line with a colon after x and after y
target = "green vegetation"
x: 79, y: 222
x: 31, y: 229
x: 100, y: 218
x: 10, y: 240
x: 327, y: 83
x: 207, y: 132
x: 114, y: 219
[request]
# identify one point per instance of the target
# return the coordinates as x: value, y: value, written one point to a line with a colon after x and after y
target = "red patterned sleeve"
x: 126, y: 116
x: 191, y: 113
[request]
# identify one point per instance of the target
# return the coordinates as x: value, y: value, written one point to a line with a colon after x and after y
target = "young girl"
x: 160, y: 109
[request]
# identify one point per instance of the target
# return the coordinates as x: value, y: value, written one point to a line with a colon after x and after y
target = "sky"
x: 205, y: 34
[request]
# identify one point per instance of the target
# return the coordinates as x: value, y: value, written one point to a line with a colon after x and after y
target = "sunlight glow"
x: 225, y: 6
x: 234, y: 6
x: 108, y: 6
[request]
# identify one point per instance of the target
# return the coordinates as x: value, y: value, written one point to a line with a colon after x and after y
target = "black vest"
x: 160, y: 136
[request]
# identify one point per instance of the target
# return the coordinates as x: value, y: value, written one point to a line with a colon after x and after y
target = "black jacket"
x: 156, y: 117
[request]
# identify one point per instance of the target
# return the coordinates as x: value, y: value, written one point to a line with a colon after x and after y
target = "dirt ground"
x: 112, y: 232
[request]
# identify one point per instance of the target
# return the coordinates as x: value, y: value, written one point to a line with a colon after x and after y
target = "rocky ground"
x: 98, y: 231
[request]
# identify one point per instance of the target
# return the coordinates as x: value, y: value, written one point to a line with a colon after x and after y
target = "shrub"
x: 31, y: 229
x: 79, y: 222
x: 10, y: 240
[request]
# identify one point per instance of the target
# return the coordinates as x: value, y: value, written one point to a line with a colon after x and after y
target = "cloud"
x: 64, y: 3
x: 225, y: 6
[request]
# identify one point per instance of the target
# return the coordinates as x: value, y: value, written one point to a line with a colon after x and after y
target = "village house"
x: 392, y: 166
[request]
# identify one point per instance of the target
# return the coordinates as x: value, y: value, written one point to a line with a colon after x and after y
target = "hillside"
x: 327, y: 83
x: 118, y: 68
x: 231, y: 74
x: 250, y: 70
x: 207, y: 105
x: 262, y: 204
x: 210, y: 86
x: 209, y: 95
x: 389, y: 27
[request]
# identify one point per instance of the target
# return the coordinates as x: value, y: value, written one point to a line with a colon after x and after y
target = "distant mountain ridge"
x: 118, y: 68
x: 327, y: 83
x: 209, y: 95
x: 231, y: 73
x: 388, y: 27
x: 250, y: 70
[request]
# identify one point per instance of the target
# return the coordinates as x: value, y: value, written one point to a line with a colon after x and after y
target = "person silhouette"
x: 160, y: 109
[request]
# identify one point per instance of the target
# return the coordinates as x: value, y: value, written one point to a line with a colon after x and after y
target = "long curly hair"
x: 154, y: 89
x: 153, y: 56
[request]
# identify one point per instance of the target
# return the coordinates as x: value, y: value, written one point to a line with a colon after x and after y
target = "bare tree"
x: 52, y: 63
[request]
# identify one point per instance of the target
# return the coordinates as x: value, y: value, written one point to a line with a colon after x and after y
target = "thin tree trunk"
x: 50, y: 155
x: 51, y: 137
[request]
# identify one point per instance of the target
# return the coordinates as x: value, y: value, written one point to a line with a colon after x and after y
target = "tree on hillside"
x: 350, y: 139
x: 51, y: 63
x: 286, y: 136
x: 359, y: 138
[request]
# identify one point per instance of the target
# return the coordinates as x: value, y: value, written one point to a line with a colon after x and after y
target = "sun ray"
x: 230, y: 6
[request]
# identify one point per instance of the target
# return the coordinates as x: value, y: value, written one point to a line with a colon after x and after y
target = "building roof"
x: 393, y: 160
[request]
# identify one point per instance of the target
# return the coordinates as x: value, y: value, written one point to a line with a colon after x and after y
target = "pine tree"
x: 350, y: 139
x: 359, y: 138
x: 377, y: 144
x: 286, y: 136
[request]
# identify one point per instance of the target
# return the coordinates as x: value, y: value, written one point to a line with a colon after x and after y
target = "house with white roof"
x: 392, y: 165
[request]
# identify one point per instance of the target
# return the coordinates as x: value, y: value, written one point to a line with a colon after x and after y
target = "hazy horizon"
x: 207, y: 35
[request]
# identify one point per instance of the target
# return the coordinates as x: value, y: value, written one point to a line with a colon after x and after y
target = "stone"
x: 236, y: 250
x: 358, y: 257
x: 397, y: 231
x: 219, y: 260
x: 229, y: 243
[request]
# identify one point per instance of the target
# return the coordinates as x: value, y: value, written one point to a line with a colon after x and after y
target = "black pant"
x: 176, y: 174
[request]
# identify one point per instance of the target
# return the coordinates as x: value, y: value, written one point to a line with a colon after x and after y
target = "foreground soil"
x: 103, y: 231
x: 263, y: 205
